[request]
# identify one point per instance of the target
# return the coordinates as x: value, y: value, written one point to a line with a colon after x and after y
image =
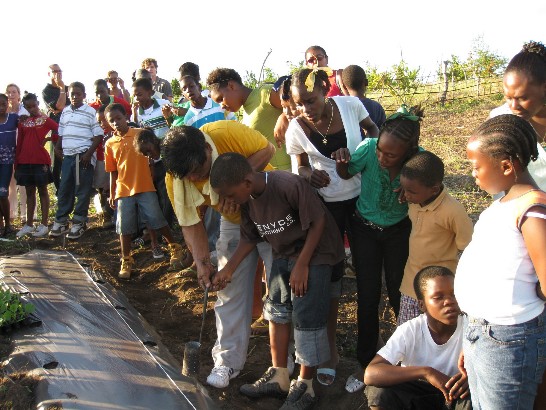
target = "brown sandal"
x: 260, y: 327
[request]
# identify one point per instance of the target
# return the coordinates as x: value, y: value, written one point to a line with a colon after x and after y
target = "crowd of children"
x: 469, y: 301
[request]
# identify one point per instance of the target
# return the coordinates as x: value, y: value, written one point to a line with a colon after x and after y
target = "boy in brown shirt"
x: 440, y: 228
x: 284, y: 210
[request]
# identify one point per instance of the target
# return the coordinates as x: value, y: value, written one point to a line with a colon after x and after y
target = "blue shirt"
x: 8, y: 132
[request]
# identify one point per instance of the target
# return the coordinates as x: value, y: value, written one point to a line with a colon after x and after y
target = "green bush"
x: 12, y: 310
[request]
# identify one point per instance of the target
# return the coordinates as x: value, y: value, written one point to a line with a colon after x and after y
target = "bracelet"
x: 62, y: 92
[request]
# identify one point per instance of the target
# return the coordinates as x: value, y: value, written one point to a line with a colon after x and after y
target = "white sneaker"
x: 76, y: 230
x: 220, y: 376
x: 41, y: 231
x: 25, y: 230
x: 58, y: 229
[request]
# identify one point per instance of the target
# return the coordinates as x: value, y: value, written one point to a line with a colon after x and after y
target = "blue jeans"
x: 309, y: 313
x: 161, y: 191
x: 69, y: 191
x: 212, y: 226
x: 505, y: 364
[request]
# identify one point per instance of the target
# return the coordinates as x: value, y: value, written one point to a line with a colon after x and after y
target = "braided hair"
x: 405, y: 129
x: 29, y: 97
x: 530, y: 61
x: 507, y: 137
x: 321, y: 79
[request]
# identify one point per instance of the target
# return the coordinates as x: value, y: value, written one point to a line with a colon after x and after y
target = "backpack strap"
x: 536, y: 197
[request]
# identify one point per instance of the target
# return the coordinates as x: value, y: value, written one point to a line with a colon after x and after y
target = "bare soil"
x: 172, y: 301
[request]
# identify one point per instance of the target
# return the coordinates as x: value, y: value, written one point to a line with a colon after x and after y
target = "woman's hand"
x: 319, y: 178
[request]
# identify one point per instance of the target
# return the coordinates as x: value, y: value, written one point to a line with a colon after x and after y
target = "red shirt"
x: 31, y: 139
x: 96, y: 105
x: 334, y: 88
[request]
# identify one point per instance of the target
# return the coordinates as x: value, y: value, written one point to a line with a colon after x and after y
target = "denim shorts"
x: 505, y: 363
x: 145, y: 206
x: 309, y: 313
x: 6, y: 171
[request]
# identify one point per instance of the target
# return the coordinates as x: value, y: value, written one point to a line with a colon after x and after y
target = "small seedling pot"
x: 190, y: 366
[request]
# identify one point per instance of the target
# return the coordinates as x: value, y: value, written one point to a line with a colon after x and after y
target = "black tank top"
x: 334, y: 141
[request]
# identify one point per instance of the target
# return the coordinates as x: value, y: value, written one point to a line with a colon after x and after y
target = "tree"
x: 251, y: 81
x: 402, y: 82
x: 483, y: 62
x: 480, y: 63
x: 177, y: 92
x: 456, y: 69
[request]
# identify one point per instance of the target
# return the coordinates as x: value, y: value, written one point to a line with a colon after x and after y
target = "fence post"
x: 446, y: 83
x: 477, y: 77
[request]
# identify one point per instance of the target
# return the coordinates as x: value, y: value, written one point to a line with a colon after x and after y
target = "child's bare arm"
x: 534, y: 235
x: 381, y: 373
x: 59, y: 147
x: 342, y: 157
x: 300, y: 271
x: 369, y: 126
x: 223, y: 277
x: 113, y: 185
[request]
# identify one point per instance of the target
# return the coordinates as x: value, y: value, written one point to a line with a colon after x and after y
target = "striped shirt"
x: 152, y: 117
x: 78, y: 127
x: 196, y: 117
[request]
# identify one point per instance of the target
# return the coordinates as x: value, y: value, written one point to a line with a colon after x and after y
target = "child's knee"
x: 280, y: 313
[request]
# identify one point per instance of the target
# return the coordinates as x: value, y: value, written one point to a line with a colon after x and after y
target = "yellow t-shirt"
x: 134, y: 175
x: 227, y: 136
x: 439, y: 231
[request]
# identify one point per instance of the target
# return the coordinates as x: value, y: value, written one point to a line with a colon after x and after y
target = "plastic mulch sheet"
x: 92, y: 349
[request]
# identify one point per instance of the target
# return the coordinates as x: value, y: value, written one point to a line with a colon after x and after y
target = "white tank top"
x: 495, y: 277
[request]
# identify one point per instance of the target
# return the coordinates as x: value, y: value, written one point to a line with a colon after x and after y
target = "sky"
x: 89, y: 38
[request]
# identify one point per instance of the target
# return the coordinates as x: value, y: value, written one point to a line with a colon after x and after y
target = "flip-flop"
x: 330, y: 376
x: 353, y: 384
x: 260, y: 327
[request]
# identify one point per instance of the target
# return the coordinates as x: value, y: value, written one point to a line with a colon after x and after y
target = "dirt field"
x: 172, y: 302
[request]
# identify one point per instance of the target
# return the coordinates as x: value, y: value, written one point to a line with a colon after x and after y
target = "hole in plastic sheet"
x: 149, y: 343
x: 16, y: 271
x: 118, y: 307
x: 24, y: 293
x: 50, y: 365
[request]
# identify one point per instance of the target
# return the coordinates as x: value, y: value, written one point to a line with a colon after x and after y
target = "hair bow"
x: 404, y: 114
x: 310, y: 80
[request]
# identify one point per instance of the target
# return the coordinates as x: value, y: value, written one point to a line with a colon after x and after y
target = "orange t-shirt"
x: 134, y: 175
